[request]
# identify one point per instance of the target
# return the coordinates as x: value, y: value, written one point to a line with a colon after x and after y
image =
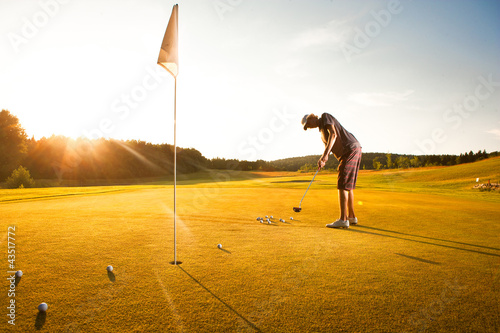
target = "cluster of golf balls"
x: 267, y: 219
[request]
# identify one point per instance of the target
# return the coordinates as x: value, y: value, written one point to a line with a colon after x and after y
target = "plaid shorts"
x: 348, y: 169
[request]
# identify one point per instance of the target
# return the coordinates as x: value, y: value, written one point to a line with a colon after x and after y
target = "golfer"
x: 347, y: 150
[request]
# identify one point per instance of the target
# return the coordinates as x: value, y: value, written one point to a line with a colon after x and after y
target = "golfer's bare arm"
x: 332, y: 135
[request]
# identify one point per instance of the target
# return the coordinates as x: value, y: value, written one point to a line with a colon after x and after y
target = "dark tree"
x: 13, y: 145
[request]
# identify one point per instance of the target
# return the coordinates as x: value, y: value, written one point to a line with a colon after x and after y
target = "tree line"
x: 63, y: 158
x: 82, y: 160
x: 374, y: 161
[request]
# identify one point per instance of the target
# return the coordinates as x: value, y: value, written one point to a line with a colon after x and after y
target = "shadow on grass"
x: 111, y: 276
x: 252, y: 325
x: 18, y: 279
x: 40, y: 320
x: 422, y: 242
x: 292, y: 181
x: 227, y: 251
x: 419, y: 259
x: 438, y: 239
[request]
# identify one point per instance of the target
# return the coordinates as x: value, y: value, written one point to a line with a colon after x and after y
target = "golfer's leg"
x: 343, y: 199
x: 350, y: 204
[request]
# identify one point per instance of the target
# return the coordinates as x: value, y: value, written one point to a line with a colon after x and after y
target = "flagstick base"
x: 175, y: 262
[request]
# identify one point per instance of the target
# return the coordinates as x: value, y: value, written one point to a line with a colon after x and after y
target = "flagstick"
x: 175, y: 169
x: 168, y: 59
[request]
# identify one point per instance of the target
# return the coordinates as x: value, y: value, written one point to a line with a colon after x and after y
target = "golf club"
x: 298, y: 209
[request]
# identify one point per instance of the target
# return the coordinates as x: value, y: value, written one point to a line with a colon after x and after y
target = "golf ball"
x: 269, y: 222
x: 291, y: 218
x: 219, y: 246
x: 43, y: 307
x: 267, y: 216
x: 109, y: 268
x: 258, y: 219
x: 19, y: 273
x: 271, y: 216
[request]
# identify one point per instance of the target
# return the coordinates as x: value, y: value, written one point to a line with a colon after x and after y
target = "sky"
x: 412, y: 77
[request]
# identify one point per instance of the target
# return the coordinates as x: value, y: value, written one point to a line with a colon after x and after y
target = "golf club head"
x: 297, y: 209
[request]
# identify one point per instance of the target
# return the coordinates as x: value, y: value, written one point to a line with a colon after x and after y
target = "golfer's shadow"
x: 431, y: 238
x: 252, y: 325
x: 40, y: 320
x: 421, y: 241
x: 111, y: 276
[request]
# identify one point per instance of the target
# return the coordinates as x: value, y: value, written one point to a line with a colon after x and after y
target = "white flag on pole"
x: 169, y: 58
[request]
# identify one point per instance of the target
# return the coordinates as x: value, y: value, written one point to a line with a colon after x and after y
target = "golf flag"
x: 169, y: 58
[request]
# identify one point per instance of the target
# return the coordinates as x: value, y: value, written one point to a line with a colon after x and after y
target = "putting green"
x: 422, y: 257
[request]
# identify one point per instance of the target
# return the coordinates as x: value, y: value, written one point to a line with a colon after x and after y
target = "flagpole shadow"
x: 252, y: 325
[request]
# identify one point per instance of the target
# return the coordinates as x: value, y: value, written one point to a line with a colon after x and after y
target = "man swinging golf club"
x: 347, y: 150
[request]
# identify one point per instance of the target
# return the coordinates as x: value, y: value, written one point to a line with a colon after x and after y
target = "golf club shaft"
x: 308, y: 187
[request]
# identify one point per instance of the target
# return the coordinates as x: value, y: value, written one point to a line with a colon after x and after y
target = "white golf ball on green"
x: 43, y: 307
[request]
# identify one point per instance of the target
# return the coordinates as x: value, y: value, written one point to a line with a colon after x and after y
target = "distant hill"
x: 371, y: 161
x: 457, y: 180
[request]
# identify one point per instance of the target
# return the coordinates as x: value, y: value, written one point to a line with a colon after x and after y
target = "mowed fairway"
x: 424, y: 257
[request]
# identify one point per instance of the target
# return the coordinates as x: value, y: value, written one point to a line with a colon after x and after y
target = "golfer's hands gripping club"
x: 322, y: 161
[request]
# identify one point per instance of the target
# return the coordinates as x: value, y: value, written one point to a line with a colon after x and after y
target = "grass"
x: 425, y: 256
